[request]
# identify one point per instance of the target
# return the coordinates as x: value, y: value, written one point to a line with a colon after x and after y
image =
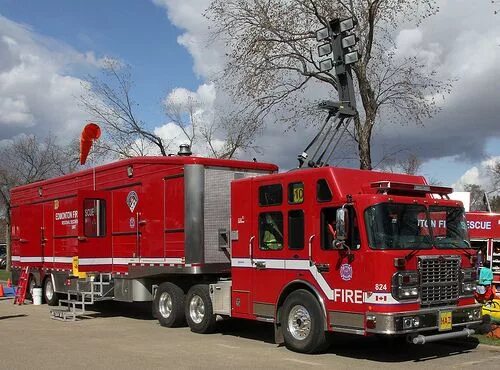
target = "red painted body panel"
x: 49, y: 220
x: 483, y: 225
x: 371, y: 270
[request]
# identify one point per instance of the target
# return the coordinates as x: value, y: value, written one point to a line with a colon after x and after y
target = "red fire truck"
x: 312, y: 250
x: 484, y: 233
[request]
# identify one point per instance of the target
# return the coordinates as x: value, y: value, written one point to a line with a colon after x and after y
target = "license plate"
x: 445, y: 320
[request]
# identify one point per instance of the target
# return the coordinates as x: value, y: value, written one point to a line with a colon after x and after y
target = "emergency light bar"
x: 385, y: 186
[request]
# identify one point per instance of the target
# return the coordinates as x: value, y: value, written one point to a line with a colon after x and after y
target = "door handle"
x: 250, y: 247
x: 82, y: 239
x: 260, y: 265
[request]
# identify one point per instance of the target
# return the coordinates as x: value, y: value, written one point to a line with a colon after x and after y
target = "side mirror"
x: 342, y: 224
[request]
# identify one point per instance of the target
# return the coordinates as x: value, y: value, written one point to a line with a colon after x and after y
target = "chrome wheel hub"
x: 299, y: 322
x: 196, y: 309
x: 165, y: 305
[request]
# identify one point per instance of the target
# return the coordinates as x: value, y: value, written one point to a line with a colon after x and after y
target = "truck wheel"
x: 31, y: 285
x: 169, y: 305
x: 199, y: 311
x: 303, y: 323
x: 49, y: 293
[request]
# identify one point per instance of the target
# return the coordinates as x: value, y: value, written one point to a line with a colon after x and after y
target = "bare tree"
x: 27, y: 159
x: 272, y: 59
x: 110, y: 103
x: 239, y: 130
x: 409, y: 164
x: 495, y: 174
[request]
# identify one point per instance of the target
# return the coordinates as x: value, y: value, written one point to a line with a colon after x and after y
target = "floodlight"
x: 349, y: 41
x: 322, y: 34
x: 346, y: 24
x: 351, y: 57
x: 325, y: 65
x: 324, y: 49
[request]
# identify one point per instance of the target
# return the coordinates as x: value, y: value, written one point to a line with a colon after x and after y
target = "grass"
x: 4, y: 275
x: 483, y: 339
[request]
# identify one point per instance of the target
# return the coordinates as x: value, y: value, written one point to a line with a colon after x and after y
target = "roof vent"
x: 184, y: 150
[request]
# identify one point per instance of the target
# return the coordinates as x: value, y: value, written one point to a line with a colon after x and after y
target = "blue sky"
x: 137, y: 33
x: 164, y: 42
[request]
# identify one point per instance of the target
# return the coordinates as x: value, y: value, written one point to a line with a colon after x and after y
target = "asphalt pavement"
x: 117, y: 335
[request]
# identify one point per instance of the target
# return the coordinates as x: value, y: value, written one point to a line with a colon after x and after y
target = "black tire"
x: 199, y: 311
x: 49, y: 293
x: 29, y: 288
x: 168, y: 305
x: 303, y: 323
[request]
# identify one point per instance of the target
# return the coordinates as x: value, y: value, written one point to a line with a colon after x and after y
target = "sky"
x: 49, y: 48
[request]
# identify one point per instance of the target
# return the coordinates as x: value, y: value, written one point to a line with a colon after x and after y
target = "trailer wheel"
x: 49, y: 292
x: 31, y: 286
x: 169, y: 305
x: 199, y: 311
x: 303, y: 323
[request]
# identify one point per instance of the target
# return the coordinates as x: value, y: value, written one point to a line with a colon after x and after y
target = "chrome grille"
x: 439, y: 279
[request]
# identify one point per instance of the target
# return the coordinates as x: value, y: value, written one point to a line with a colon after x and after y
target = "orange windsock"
x: 90, y: 133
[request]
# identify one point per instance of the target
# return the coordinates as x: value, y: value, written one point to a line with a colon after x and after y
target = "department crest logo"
x: 346, y: 272
x: 132, y: 200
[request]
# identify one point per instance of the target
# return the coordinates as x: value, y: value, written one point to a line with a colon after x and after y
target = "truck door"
x: 47, y: 235
x: 94, y: 242
x: 30, y: 224
x: 340, y: 269
x: 268, y: 246
x: 174, y: 216
x: 126, y: 225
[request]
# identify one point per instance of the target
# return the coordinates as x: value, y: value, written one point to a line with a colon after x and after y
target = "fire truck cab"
x: 344, y: 250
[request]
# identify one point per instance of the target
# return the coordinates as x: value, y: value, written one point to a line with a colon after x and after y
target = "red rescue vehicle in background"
x: 311, y: 250
x: 484, y: 233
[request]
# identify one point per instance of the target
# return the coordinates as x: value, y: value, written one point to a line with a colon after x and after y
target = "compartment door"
x: 94, y: 241
x: 174, y: 216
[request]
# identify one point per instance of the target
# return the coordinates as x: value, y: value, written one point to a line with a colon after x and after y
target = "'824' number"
x: 380, y: 287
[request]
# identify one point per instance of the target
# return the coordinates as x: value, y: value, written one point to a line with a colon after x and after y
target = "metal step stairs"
x: 88, y: 291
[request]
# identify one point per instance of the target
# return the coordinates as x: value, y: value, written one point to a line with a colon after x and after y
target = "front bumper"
x: 427, y: 319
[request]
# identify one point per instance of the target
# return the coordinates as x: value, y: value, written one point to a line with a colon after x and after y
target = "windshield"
x: 397, y: 226
x: 406, y: 226
x: 449, y: 227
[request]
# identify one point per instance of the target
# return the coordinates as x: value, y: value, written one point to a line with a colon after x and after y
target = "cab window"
x: 94, y: 217
x: 270, y: 195
x: 323, y: 192
x: 271, y: 231
x: 296, y: 229
x: 328, y: 219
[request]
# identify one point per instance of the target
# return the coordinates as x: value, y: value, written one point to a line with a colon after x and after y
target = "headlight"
x: 469, y: 274
x: 468, y: 281
x: 407, y: 293
x: 405, y: 285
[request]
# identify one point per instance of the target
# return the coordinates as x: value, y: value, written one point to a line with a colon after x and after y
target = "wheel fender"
x: 289, y: 288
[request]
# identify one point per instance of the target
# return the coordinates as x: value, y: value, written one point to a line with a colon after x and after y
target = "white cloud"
x: 479, y: 174
x: 38, y: 92
x: 202, y: 104
x: 207, y: 54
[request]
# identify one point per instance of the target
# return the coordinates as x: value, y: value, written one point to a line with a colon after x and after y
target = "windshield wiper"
x: 410, y: 255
